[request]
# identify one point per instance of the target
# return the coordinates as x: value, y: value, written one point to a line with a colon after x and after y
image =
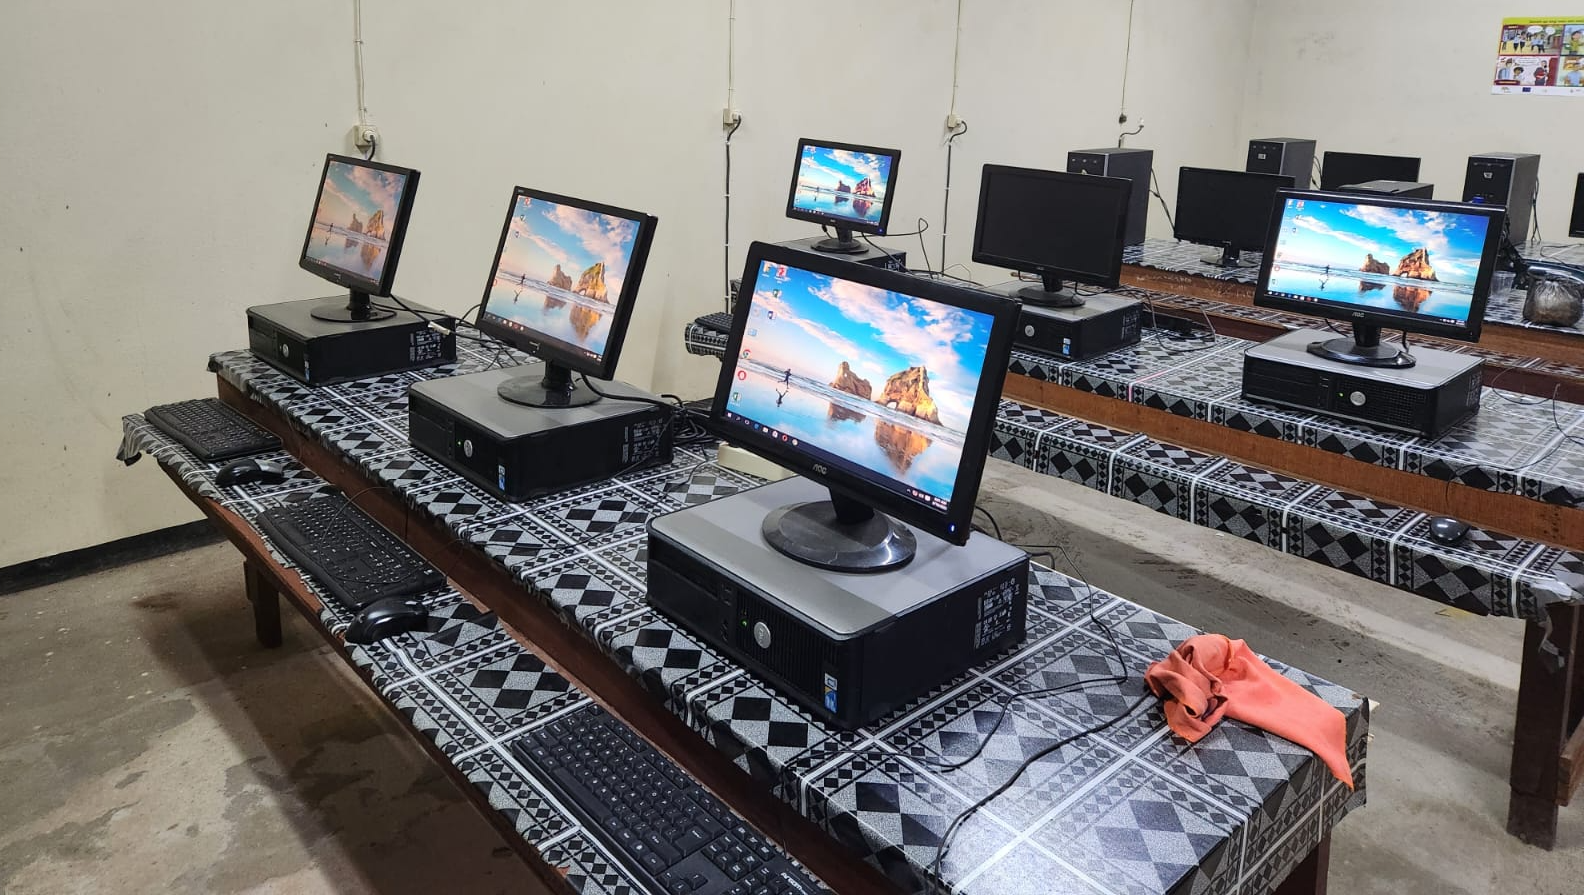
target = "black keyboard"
x: 655, y: 818
x: 210, y: 429
x: 347, y: 552
x: 720, y: 322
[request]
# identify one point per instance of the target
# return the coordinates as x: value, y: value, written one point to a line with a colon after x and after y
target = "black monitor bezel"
x: 1576, y: 220
x: 1330, y: 184
x: 1111, y: 279
x: 956, y: 523
x: 546, y: 347
x: 1468, y: 332
x: 404, y: 203
x: 841, y: 223
x: 1284, y: 181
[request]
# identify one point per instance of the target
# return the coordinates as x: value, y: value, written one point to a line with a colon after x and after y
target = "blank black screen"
x: 1049, y: 221
x: 1345, y: 168
x: 1576, y: 224
x: 1226, y: 208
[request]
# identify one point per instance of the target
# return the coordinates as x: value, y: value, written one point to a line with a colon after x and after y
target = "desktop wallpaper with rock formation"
x: 841, y: 183
x: 1393, y: 259
x: 561, y: 272
x: 353, y: 220
x: 875, y: 378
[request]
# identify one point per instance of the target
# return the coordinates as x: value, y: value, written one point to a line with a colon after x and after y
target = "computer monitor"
x: 1064, y: 227
x: 1340, y: 169
x: 356, y: 232
x: 561, y: 288
x: 1576, y: 222
x: 879, y: 385
x: 1230, y: 209
x: 1383, y: 263
x: 845, y: 186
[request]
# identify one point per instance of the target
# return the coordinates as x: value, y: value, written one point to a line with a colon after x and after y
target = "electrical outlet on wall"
x: 953, y: 121
x: 730, y: 117
x: 364, y: 136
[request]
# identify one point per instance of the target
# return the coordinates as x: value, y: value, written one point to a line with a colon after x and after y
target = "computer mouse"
x: 385, y: 618
x: 248, y: 470
x: 1448, y: 531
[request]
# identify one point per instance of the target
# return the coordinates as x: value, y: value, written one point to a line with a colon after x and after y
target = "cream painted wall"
x: 156, y: 162
x: 1341, y: 72
x: 153, y: 122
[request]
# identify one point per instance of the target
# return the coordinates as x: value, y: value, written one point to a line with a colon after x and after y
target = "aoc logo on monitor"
x: 820, y: 468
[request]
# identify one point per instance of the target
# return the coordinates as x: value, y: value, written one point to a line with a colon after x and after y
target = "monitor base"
x: 358, y: 309
x: 1038, y: 296
x: 1229, y: 259
x: 839, y: 535
x: 554, y: 389
x: 839, y: 246
x: 1351, y: 351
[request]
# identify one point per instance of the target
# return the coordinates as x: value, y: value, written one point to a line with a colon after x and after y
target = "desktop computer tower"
x: 1292, y: 156
x: 1101, y: 325
x: 289, y: 338
x: 1435, y: 394
x: 849, y: 648
x: 516, y: 452
x: 1401, y: 188
x: 1508, y: 179
x: 1131, y: 164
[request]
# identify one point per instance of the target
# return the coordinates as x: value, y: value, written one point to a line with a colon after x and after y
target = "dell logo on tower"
x: 467, y: 447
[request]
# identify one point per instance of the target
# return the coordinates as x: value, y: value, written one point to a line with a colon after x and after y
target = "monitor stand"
x: 1229, y: 258
x: 1049, y: 294
x: 358, y: 309
x: 842, y: 244
x: 840, y: 534
x: 554, y: 389
x: 1365, y: 349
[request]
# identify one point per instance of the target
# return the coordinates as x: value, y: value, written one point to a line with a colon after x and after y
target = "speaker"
x: 1292, y: 156
x: 1508, y: 179
x: 1132, y: 164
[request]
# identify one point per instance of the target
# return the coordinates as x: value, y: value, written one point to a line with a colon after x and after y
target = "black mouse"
x: 248, y: 471
x: 385, y: 618
x: 1448, y: 531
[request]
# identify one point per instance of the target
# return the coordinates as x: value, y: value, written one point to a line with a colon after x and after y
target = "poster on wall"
x: 1540, y: 55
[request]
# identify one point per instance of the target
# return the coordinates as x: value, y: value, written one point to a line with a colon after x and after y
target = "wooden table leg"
x: 266, y: 606
x: 1309, y: 877
x: 1546, y: 709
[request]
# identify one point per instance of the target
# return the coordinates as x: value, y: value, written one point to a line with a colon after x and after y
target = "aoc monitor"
x: 1382, y: 263
x: 1063, y: 227
x: 1227, y: 209
x: 561, y: 288
x: 881, y: 386
x: 844, y: 186
x: 355, y: 235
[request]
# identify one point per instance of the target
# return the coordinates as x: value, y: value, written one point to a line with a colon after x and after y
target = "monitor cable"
x: 726, y: 225
x: 695, y: 427
x: 962, y: 128
x: 1156, y: 192
x: 1205, y: 342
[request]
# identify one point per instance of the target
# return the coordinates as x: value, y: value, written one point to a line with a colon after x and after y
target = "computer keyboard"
x: 656, y: 819
x: 347, y: 552
x: 720, y: 322
x: 210, y: 429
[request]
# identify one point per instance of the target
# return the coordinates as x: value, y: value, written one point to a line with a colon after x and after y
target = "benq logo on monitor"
x: 820, y: 468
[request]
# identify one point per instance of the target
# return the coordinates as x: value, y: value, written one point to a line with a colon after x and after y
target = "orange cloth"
x: 1210, y: 676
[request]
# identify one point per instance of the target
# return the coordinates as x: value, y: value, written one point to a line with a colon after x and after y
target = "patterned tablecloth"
x: 1490, y: 573
x: 1130, y: 809
x: 1504, y: 306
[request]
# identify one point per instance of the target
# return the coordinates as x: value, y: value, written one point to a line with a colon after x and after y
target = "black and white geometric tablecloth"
x: 1511, y: 446
x: 1131, y: 809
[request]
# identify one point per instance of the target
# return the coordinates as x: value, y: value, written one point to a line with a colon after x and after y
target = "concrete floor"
x: 149, y: 745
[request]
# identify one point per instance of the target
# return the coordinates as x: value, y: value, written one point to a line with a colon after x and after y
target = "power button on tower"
x: 761, y: 632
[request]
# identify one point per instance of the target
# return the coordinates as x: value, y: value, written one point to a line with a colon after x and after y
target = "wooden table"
x: 577, y: 645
